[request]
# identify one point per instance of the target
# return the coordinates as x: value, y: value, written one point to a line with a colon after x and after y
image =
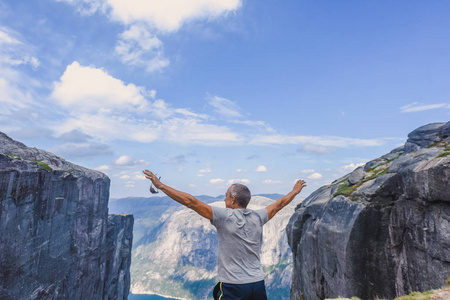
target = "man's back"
x: 239, y: 233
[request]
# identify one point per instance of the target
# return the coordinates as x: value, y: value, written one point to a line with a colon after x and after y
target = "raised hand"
x: 155, y: 180
x: 299, y: 185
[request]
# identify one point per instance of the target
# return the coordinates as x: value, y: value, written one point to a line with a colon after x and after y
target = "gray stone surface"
x: 356, y: 176
x: 384, y: 236
x: 56, y: 241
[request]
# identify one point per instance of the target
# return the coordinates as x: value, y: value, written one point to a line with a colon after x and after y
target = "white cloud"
x: 315, y: 176
x: 87, y: 7
x: 270, y: 181
x: 307, y: 171
x: 124, y: 160
x: 14, y: 51
x: 103, y: 168
x: 166, y: 16
x: 130, y: 184
x: 261, y: 169
x: 216, y: 180
x: 88, y: 89
x: 106, y: 108
x: 349, y: 168
x: 111, y: 127
x: 125, y: 177
x: 169, y: 15
x: 193, y: 131
x: 128, y: 161
x: 231, y: 181
x: 416, y: 107
x: 316, y: 149
x: 257, y: 124
x: 139, y: 176
x: 224, y: 107
x: 239, y: 170
x: 15, y: 85
x: 333, y: 141
x: 138, y: 47
x: 207, y: 170
x: 12, y: 95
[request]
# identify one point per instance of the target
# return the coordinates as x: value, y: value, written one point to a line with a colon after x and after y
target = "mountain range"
x: 175, y: 251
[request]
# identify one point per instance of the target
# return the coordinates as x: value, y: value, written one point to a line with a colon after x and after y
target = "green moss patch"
x: 383, y: 164
x: 346, y: 190
x: 439, y: 144
x: 41, y: 164
x: 445, y: 153
x: 417, y: 296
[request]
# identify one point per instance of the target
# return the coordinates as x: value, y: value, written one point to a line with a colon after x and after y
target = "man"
x: 239, y: 232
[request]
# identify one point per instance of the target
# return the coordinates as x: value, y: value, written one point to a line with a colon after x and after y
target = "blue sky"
x: 206, y: 93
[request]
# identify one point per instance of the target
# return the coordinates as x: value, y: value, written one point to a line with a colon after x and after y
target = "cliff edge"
x: 57, y: 240
x: 380, y: 231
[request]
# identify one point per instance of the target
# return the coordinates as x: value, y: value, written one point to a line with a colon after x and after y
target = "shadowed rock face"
x: 382, y: 230
x: 56, y: 239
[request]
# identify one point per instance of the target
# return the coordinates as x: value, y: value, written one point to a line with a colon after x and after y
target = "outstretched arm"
x: 273, y: 208
x: 186, y: 199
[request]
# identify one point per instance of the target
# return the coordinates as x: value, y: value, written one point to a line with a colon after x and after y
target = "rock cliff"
x: 382, y: 230
x: 57, y: 240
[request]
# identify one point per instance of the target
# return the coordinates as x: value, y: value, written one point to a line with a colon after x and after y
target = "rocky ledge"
x: 57, y: 240
x: 382, y: 230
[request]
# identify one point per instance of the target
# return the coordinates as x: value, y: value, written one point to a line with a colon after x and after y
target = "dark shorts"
x: 246, y: 291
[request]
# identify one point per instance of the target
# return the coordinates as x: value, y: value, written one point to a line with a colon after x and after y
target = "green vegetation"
x: 425, y: 295
x: 346, y: 190
x: 343, y: 298
x: 417, y: 296
x: 41, y: 164
x: 13, y: 156
x: 445, y: 153
x: 438, y: 144
x: 385, y: 163
x: 342, y: 181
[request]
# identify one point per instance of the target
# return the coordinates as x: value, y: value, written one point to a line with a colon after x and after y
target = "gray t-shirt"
x: 239, y: 232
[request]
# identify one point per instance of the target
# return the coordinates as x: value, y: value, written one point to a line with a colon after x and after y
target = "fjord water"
x: 147, y: 297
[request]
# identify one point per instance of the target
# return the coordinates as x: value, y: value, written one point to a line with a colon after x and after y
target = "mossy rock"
x: 417, y: 296
x: 44, y: 166
x: 346, y: 190
x: 445, y: 153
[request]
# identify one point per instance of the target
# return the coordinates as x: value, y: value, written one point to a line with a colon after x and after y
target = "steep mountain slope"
x: 380, y: 231
x: 178, y: 257
x: 56, y: 238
